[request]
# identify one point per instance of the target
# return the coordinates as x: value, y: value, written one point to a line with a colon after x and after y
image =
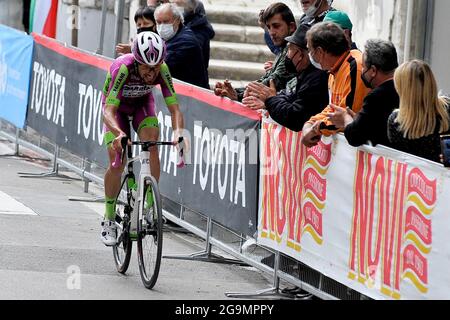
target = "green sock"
x: 110, y: 208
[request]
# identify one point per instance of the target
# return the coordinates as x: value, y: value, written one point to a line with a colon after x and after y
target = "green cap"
x: 340, y: 18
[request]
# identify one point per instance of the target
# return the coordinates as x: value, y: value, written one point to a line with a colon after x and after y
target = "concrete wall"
x: 11, y: 13
x: 383, y: 19
x: 440, y: 44
x: 89, y: 25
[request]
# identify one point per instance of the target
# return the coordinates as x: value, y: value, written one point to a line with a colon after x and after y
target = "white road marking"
x: 9, y: 205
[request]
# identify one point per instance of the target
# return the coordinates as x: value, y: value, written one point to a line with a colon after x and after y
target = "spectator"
x: 273, y: 48
x: 184, y: 55
x: 293, y: 109
x: 314, y: 11
x: 281, y: 23
x: 379, y: 64
x: 195, y: 19
x: 423, y: 115
x: 145, y: 21
x: 342, y: 20
x: 329, y: 50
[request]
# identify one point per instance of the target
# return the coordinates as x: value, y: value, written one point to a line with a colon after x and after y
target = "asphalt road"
x: 50, y: 247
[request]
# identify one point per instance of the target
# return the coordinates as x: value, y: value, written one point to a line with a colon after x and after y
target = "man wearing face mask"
x: 314, y: 10
x: 329, y: 50
x: 293, y: 109
x: 184, y: 55
x: 144, y: 18
x: 195, y: 19
x: 379, y: 64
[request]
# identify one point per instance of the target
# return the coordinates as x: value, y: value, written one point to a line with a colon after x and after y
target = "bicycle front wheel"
x: 123, y: 247
x: 150, y: 234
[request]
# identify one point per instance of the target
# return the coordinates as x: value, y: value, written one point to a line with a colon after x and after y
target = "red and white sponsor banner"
x: 373, y: 219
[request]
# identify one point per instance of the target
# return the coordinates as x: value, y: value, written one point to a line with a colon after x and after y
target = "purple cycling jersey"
x: 125, y: 89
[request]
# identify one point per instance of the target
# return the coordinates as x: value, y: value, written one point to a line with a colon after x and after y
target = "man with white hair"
x: 184, y: 54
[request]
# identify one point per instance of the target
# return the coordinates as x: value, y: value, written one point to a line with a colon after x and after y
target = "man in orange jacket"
x: 329, y: 50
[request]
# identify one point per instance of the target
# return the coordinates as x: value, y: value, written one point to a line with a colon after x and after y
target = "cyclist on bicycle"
x: 128, y: 92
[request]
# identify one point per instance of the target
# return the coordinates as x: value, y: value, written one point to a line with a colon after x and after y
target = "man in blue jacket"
x: 184, y: 54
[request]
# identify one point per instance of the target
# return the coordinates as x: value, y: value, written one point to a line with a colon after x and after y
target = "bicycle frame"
x: 145, y: 172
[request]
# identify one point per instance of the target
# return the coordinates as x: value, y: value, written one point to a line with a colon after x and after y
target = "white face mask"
x: 166, y: 31
x: 314, y: 62
x: 312, y: 10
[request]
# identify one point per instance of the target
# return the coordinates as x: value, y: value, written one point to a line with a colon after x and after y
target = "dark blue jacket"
x: 185, y: 58
x: 203, y: 31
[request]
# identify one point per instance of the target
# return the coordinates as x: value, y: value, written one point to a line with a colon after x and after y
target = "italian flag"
x: 43, y: 15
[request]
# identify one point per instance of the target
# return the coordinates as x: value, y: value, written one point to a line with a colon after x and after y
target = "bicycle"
x: 139, y: 218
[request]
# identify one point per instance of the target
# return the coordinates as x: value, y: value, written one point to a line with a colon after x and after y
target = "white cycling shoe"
x: 109, y: 233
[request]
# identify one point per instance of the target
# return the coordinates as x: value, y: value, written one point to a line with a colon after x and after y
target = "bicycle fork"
x: 144, y: 159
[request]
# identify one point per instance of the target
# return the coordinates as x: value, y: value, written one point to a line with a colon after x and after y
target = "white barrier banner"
x: 373, y: 219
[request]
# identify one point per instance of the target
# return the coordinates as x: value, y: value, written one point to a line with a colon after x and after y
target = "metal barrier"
x: 273, y: 263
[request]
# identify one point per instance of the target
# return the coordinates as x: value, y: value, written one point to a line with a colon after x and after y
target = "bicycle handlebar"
x: 124, y: 142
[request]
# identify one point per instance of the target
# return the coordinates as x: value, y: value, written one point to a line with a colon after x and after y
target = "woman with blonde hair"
x: 423, y: 114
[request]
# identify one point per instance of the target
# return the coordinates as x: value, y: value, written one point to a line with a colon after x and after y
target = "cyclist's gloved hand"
x: 182, y: 145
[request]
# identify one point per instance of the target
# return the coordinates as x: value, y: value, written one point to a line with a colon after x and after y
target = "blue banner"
x: 16, y: 53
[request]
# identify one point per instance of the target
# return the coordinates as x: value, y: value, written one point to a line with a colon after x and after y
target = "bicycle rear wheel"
x: 122, y: 249
x: 150, y: 234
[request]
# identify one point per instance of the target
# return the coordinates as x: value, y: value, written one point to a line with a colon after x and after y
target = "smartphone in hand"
x: 445, y: 149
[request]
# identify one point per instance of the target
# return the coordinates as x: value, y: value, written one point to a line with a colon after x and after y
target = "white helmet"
x: 148, y: 48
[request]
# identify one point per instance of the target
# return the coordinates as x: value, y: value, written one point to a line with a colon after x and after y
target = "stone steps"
x: 241, y: 52
x: 238, y: 51
x: 235, y: 70
x: 241, y: 34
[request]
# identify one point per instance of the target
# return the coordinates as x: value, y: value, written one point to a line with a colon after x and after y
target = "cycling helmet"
x: 148, y: 48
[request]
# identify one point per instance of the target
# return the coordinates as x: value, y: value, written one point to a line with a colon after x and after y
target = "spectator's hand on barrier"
x: 253, y: 103
x: 311, y: 135
x: 341, y: 117
x: 268, y: 66
x: 225, y: 89
x: 218, y: 87
x: 260, y: 91
x: 123, y: 48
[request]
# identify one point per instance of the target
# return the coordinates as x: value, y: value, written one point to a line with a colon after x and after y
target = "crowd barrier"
x: 373, y: 219
x: 369, y: 220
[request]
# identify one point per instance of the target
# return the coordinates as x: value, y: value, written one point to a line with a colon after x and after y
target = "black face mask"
x: 367, y: 83
x: 289, y: 65
x: 144, y: 29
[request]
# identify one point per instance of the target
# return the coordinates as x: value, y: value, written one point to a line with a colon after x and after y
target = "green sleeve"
x: 168, y: 90
x: 113, y: 96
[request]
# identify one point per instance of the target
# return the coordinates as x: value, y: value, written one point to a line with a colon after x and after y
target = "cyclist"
x: 128, y: 92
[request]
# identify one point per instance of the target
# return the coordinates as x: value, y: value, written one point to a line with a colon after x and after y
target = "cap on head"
x: 340, y: 18
x: 299, y: 36
x: 148, y: 48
